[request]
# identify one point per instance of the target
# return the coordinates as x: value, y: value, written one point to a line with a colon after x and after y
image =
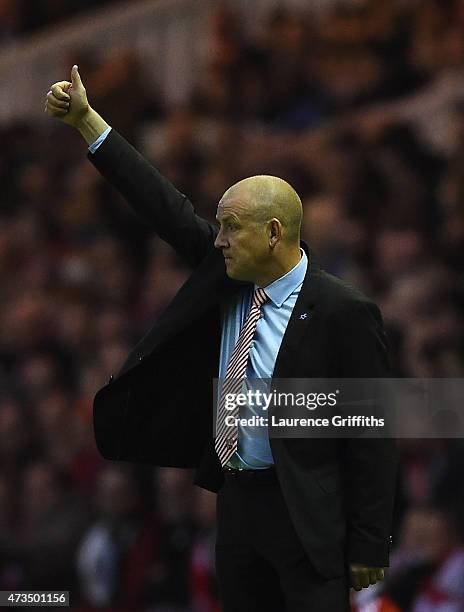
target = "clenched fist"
x: 68, y: 100
x: 363, y: 576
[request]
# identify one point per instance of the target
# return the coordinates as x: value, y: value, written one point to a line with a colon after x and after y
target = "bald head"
x: 259, y: 222
x: 268, y: 197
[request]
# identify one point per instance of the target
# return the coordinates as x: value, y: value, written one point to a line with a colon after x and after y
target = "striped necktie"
x: 227, y: 436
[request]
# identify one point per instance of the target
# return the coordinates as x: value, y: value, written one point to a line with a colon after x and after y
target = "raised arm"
x: 151, y: 195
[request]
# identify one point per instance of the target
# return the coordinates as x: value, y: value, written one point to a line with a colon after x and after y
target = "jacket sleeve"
x: 156, y: 201
x: 370, y: 465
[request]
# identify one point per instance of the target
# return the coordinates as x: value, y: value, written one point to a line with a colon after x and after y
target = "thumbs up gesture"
x: 68, y: 100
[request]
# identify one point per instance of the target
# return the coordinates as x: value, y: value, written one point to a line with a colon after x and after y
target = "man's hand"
x: 68, y: 100
x: 363, y: 576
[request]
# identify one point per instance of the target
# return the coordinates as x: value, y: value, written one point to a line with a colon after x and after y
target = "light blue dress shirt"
x: 94, y: 146
x: 254, y: 450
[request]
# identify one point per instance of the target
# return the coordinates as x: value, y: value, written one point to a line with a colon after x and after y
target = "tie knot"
x: 259, y: 297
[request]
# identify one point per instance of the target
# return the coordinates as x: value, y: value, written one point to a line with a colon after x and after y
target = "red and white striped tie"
x: 227, y: 436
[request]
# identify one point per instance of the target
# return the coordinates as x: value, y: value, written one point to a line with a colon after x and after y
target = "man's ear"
x: 275, y: 232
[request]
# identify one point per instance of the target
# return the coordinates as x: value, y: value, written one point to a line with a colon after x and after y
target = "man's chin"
x: 237, y: 277
x: 231, y: 273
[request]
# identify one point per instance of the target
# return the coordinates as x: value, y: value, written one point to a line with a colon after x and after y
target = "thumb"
x: 76, y: 77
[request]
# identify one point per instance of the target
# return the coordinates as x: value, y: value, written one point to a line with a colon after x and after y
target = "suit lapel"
x: 301, y: 319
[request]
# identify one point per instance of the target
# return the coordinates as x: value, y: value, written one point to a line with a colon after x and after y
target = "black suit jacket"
x: 159, y: 407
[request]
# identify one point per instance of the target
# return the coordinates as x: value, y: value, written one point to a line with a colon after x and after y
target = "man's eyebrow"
x: 227, y: 217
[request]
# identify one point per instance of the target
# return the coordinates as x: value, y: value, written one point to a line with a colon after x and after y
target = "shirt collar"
x: 280, y: 289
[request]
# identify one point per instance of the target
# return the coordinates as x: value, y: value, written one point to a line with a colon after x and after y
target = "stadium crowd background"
x: 364, y: 115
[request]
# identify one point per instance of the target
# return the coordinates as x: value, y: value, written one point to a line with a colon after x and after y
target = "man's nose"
x: 219, y: 242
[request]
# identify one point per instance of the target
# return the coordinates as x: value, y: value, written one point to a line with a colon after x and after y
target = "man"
x: 298, y: 519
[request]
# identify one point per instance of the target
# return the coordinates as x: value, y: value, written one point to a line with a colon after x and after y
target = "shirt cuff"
x: 94, y: 146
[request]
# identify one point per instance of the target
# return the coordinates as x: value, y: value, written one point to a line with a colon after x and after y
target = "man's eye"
x: 229, y: 227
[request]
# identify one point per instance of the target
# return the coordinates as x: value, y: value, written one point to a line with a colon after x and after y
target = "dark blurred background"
x: 360, y: 105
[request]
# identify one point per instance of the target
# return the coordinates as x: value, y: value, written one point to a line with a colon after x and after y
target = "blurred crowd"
x: 361, y: 109
x: 22, y: 17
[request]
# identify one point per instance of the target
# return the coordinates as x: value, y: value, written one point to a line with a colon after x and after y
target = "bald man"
x: 298, y: 520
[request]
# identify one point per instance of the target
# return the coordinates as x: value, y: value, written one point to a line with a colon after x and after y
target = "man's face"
x: 243, y: 240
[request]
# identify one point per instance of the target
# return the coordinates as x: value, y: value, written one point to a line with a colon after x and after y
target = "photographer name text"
x: 335, y: 421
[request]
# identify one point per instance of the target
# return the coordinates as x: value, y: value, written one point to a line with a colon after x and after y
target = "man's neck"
x: 280, y: 268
